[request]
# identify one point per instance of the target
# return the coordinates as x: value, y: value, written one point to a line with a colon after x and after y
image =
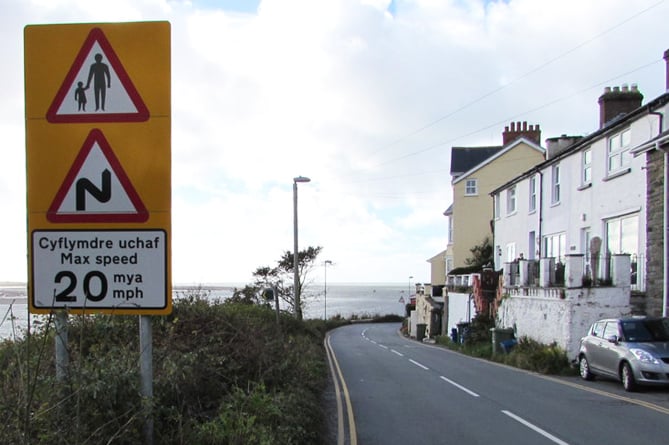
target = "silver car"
x: 633, y: 350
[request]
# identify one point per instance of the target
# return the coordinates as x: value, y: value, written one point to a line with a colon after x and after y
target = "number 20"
x: 66, y: 296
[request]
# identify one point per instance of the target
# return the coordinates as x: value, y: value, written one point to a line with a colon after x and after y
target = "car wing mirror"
x: 612, y: 339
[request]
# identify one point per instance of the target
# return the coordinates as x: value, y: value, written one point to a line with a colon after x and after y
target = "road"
x: 397, y: 391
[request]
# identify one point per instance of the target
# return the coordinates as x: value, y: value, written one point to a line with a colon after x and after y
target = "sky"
x: 365, y: 97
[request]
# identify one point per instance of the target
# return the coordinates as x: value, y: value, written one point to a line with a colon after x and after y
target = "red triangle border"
x: 141, y: 215
x: 142, y: 114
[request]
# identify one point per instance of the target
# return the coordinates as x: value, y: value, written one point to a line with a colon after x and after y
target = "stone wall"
x: 654, y: 232
x: 562, y: 320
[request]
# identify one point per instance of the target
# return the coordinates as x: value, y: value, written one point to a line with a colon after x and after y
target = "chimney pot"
x: 616, y: 89
x: 625, y: 88
x: 607, y: 90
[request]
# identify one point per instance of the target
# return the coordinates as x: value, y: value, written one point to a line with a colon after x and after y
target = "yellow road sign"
x: 98, y: 155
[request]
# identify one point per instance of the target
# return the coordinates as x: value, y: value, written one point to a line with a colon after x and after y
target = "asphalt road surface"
x: 391, y: 390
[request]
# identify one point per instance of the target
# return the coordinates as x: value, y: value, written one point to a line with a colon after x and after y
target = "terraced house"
x: 591, y: 221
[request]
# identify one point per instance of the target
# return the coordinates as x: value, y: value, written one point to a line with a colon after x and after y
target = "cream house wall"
x: 438, y: 268
x: 473, y: 214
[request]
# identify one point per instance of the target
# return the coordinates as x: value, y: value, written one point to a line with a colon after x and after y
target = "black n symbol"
x: 101, y: 194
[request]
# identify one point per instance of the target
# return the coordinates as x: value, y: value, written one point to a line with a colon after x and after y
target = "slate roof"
x: 465, y: 158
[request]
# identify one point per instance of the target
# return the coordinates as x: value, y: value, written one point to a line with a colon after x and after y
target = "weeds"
x: 223, y: 373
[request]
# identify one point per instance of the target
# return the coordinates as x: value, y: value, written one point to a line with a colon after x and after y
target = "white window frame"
x: 555, y: 184
x: 533, y: 194
x: 511, y: 201
x: 586, y: 167
x: 621, y: 244
x: 618, y: 156
x: 555, y: 246
x: 471, y: 187
x: 450, y: 230
x: 498, y: 206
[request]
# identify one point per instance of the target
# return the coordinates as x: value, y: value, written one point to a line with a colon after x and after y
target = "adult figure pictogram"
x: 99, y: 73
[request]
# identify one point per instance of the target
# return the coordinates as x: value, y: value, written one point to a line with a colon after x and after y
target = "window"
x: 611, y: 329
x: 533, y: 194
x: 555, y: 246
x: 498, y: 206
x: 471, y: 187
x: 619, y: 157
x: 622, y: 234
x: 511, y: 200
x: 555, y: 185
x: 450, y: 230
x: 598, y: 329
x: 510, y: 252
x: 586, y: 167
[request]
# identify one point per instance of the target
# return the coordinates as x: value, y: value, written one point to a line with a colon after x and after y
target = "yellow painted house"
x: 475, y: 172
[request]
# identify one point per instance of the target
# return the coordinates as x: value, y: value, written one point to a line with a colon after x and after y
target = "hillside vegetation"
x: 223, y: 374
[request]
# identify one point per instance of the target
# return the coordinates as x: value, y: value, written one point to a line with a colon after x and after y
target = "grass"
x: 526, y: 354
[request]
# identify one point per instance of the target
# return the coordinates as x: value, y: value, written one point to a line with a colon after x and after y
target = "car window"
x: 610, y: 329
x: 646, y: 330
x: 658, y: 329
x: 598, y: 329
x: 636, y: 331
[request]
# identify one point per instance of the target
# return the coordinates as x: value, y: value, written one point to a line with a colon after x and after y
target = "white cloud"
x: 337, y: 91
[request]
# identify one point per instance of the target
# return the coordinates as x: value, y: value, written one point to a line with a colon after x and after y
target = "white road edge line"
x: 460, y: 387
x: 383, y: 346
x: 397, y: 352
x: 419, y: 365
x: 535, y: 428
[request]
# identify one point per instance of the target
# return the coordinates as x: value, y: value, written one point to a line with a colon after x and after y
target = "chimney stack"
x: 520, y: 129
x: 618, y: 101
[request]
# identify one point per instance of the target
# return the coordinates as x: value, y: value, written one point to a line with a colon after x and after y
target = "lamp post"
x: 296, y: 277
x: 410, y: 278
x: 325, y: 290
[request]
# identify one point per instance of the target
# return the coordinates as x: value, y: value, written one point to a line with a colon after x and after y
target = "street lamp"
x: 296, y: 277
x: 410, y: 278
x: 325, y: 290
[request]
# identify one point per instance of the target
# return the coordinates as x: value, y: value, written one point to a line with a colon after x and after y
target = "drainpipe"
x: 540, y: 195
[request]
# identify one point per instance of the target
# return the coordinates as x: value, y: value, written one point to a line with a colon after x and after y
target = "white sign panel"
x: 102, y: 269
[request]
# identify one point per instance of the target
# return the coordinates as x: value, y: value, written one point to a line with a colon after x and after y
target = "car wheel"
x: 627, y: 377
x: 584, y: 369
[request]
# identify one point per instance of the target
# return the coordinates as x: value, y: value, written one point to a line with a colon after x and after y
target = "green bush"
x: 223, y: 373
x: 534, y: 356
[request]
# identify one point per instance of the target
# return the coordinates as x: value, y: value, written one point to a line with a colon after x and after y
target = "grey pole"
x: 276, y: 304
x: 296, y: 275
x: 146, y: 373
x: 325, y: 290
x: 62, y: 358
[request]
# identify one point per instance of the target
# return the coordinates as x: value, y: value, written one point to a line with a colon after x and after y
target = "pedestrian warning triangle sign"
x: 97, y: 88
x: 97, y: 189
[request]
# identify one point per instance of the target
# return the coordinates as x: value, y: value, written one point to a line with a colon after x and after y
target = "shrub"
x: 223, y: 373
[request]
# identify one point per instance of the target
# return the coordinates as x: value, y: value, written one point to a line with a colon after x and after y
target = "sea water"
x: 345, y: 300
